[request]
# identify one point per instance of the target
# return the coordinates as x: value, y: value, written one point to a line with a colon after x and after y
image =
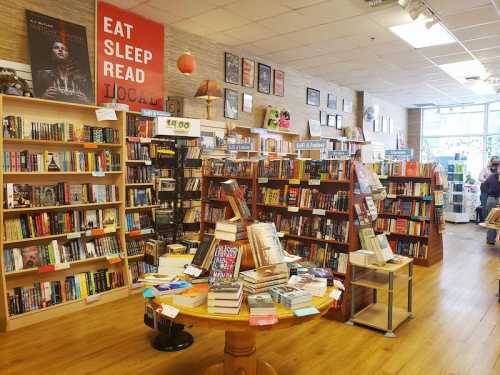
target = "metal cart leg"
x: 390, y: 293
x: 411, y: 315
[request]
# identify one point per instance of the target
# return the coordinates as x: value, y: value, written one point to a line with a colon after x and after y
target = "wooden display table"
x: 240, y: 353
x: 495, y: 227
x: 377, y: 315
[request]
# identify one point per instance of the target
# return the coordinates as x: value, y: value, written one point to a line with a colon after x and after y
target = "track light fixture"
x: 415, y: 8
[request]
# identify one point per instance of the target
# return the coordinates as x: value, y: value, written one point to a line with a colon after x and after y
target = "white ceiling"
x: 345, y: 41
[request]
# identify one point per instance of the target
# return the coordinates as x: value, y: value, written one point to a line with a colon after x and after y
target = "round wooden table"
x: 240, y: 353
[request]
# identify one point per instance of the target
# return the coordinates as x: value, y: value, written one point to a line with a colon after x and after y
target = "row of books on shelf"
x: 138, y: 126
x: 138, y: 268
x: 214, y: 214
x: 135, y: 246
x: 192, y: 215
x: 193, y: 152
x: 403, y: 226
x: 192, y: 184
x: 414, y: 249
x: 138, y: 151
x: 48, y: 293
x: 405, y: 207
x: 137, y: 197
x: 340, y: 145
x: 227, y: 167
x: 215, y: 191
x: 279, y: 146
x: 320, y: 255
x: 318, y: 227
x: 305, y: 169
x: 52, y: 223
x: 55, y: 253
x: 305, y: 198
x: 137, y: 174
x: 15, y: 127
x: 408, y: 168
x: 66, y: 161
x: 139, y: 220
x: 410, y: 188
x: 62, y: 193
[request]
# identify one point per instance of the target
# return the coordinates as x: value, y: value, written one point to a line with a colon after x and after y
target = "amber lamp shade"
x: 186, y: 63
x: 209, y: 90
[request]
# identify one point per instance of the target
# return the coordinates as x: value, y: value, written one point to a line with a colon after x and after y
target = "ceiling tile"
x: 256, y: 9
x: 156, y: 14
x: 184, y: 8
x: 311, y: 62
x: 254, y: 49
x: 126, y: 4
x: 289, y: 22
x: 220, y: 19
x: 331, y: 10
x: 447, y: 49
x: 487, y: 53
x: 480, y: 31
x: 472, y: 17
x: 190, y: 26
x: 223, y: 37
x: 393, y: 16
x: 483, y: 43
x: 278, y: 43
x: 448, y: 7
x: 295, y: 53
x: 297, y: 4
x: 451, y: 58
x: 251, y: 32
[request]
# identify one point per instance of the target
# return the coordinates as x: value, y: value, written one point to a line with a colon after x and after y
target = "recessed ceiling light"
x: 464, y: 69
x: 419, y: 36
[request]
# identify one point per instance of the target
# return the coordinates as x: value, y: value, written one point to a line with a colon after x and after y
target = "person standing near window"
x: 490, y: 168
x: 492, y: 189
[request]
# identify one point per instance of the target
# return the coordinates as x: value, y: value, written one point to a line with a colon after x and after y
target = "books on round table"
x: 225, y: 297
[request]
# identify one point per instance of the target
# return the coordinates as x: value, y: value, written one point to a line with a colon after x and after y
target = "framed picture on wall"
x: 247, y: 103
x: 331, y: 101
x: 391, y: 125
x: 313, y: 97
x: 323, y: 118
x: 264, y: 78
x: 247, y: 72
x: 338, y: 122
x: 231, y: 68
x: 331, y: 120
x: 279, y: 83
x: 385, y: 124
x: 231, y: 104
x: 346, y: 106
x: 376, y: 124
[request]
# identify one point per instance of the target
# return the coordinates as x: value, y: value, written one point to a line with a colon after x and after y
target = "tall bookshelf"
x: 432, y: 219
x: 44, y: 111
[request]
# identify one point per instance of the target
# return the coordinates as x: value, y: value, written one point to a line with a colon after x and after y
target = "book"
x: 225, y: 290
x: 174, y: 287
x: 261, y: 304
x: 226, y: 262
x: 205, y: 252
x: 229, y: 236
x: 236, y: 199
x: 265, y: 243
x: 193, y: 297
x: 31, y: 257
x: 48, y: 195
x: 316, y: 285
x: 229, y: 226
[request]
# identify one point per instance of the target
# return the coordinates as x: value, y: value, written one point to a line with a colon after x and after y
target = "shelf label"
x: 294, y: 181
x: 293, y: 209
x: 47, y: 268
x: 74, y: 235
x: 262, y: 320
x: 103, y: 114
x: 134, y: 139
x: 97, y: 232
x: 94, y: 298
x: 319, y: 211
x: 391, y: 196
x: 339, y: 154
x: 239, y: 147
x: 61, y: 266
x: 260, y: 131
x: 147, y: 162
x: 144, y: 140
x: 109, y: 230
x: 98, y: 174
x: 134, y: 233
x: 169, y: 311
x: 427, y: 197
x: 405, y: 154
x: 146, y: 231
x: 89, y: 145
x: 314, y: 182
x: 193, y: 271
x: 136, y: 285
x: 263, y: 180
x: 310, y: 145
x: 113, y: 258
x: 154, y: 113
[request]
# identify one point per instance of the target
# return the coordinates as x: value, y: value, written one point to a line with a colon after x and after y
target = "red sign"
x: 129, y: 59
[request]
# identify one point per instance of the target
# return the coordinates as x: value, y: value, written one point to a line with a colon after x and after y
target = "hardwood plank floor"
x: 456, y: 331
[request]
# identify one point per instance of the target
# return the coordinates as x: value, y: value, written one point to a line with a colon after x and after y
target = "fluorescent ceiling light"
x: 419, y: 36
x: 482, y: 88
x: 463, y: 69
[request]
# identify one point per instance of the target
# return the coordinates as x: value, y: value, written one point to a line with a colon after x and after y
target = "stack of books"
x: 262, y: 280
x: 291, y: 297
x: 230, y: 231
x: 307, y: 282
x: 261, y: 304
x: 192, y: 297
x: 225, y: 298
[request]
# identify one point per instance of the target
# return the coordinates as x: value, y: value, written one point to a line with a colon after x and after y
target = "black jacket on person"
x: 492, y: 185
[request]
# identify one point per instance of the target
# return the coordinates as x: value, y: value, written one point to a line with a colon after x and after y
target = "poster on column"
x: 129, y: 59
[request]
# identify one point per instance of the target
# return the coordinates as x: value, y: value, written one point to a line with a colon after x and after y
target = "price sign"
x: 294, y: 181
x: 263, y: 180
x: 73, y: 235
x: 98, y: 174
x: 94, y: 298
x: 315, y: 182
x: 404, y: 154
x: 169, y: 311
x: 177, y: 125
x: 293, y: 209
x: 319, y: 211
x: 239, y: 147
x: 154, y: 113
x: 310, y: 145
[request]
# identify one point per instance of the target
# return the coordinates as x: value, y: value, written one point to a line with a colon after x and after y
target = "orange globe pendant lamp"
x: 186, y: 63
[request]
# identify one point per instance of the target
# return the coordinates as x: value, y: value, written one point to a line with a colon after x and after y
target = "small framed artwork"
x: 331, y: 120
x: 247, y: 72
x: 385, y: 124
x: 231, y: 104
x: 338, y: 122
x: 264, y: 79
x: 279, y: 83
x: 331, y: 101
x: 313, y: 97
x: 247, y: 103
x: 346, y: 106
x: 314, y: 128
x: 323, y: 118
x: 231, y: 68
x: 391, y: 125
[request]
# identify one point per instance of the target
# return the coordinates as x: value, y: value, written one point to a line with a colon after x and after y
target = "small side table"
x: 384, y: 317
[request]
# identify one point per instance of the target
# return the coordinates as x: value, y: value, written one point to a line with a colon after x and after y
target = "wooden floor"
x: 456, y: 331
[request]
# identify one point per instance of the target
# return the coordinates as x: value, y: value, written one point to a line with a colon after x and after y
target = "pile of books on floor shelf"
x: 212, y: 280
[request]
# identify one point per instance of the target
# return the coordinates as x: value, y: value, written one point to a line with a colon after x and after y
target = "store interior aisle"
x: 456, y: 331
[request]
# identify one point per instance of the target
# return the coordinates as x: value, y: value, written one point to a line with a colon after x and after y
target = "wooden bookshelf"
x: 39, y: 110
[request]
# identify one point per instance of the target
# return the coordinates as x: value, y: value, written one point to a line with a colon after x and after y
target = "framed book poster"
x: 247, y: 103
x: 279, y: 83
x: 347, y: 106
x: 231, y: 104
x: 247, y: 72
x: 231, y: 68
x: 264, y: 79
x: 338, y: 122
x: 59, y: 59
x: 323, y: 118
x: 331, y: 101
x: 313, y: 97
x: 331, y: 120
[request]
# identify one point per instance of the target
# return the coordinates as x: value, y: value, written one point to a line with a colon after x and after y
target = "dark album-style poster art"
x: 59, y: 59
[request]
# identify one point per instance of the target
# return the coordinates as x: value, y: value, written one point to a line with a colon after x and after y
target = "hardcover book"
x: 31, y: 257
x: 226, y: 262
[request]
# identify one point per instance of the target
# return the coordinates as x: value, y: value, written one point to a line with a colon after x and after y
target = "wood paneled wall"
x: 209, y: 57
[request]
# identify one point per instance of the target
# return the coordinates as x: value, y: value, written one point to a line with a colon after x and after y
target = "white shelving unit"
x: 456, y: 211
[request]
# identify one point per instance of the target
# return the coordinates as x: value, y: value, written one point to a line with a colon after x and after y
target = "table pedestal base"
x: 240, y: 357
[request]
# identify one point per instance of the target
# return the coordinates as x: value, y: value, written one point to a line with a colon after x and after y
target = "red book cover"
x: 262, y: 320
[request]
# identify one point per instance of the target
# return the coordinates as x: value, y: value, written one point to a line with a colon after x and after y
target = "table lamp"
x: 209, y: 90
